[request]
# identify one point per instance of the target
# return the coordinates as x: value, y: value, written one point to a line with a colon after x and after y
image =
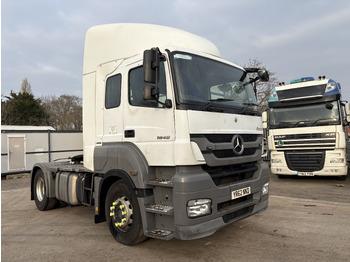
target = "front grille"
x: 221, y: 138
x: 226, y: 175
x: 305, y: 161
x: 217, y: 149
x: 305, y: 141
x: 231, y: 203
x: 244, y: 211
x: 230, y: 153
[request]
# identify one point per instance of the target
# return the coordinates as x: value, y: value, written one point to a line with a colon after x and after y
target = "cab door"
x: 148, y: 124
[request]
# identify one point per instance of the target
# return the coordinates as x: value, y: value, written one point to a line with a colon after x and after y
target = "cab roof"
x: 106, y: 43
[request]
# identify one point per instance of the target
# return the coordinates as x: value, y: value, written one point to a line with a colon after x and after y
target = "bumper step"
x: 160, y: 209
x: 160, y: 234
x: 160, y: 182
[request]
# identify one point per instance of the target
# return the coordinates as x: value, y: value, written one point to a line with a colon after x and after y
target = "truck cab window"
x: 113, y: 87
x: 136, y: 85
x: 209, y: 84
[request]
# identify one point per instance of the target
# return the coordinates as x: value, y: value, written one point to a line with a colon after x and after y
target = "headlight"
x: 265, y: 189
x: 198, y: 207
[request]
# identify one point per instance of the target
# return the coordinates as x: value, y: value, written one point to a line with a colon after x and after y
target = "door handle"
x: 129, y: 133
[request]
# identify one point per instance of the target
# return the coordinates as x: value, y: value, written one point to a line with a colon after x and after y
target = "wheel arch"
x: 32, y: 176
x: 49, y: 171
x: 123, y: 157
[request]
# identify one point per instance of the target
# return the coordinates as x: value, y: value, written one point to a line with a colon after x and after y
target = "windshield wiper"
x: 301, y: 122
x: 221, y: 100
x: 248, y: 106
x: 332, y: 120
x: 282, y: 125
x: 212, y: 101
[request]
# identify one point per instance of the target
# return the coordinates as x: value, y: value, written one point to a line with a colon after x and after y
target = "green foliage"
x: 23, y: 109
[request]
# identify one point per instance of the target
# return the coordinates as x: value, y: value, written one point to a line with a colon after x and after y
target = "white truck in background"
x: 306, y: 128
x: 172, y: 137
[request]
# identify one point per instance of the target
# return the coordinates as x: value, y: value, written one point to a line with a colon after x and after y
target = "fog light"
x: 265, y: 189
x: 198, y: 207
x: 276, y: 161
x: 337, y: 160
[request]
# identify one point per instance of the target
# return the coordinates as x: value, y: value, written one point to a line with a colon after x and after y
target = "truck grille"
x: 237, y: 214
x: 226, y: 175
x: 231, y: 203
x: 305, y: 141
x: 305, y: 161
x: 218, y: 149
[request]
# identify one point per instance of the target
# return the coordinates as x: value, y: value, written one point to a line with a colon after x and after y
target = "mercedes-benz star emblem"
x: 238, y: 146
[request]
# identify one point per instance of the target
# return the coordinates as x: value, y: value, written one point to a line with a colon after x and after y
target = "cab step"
x: 161, y: 234
x: 160, y: 182
x: 160, y: 209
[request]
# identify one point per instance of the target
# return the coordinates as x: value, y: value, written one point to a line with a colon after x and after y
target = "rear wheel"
x: 42, y: 201
x: 123, y: 214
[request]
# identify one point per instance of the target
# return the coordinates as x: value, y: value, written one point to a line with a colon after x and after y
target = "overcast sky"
x: 43, y: 40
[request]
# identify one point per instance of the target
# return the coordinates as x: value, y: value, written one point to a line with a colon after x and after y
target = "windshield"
x: 205, y: 84
x: 305, y: 115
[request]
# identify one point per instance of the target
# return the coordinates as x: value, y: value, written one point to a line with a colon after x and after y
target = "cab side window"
x: 136, y: 86
x: 113, y: 89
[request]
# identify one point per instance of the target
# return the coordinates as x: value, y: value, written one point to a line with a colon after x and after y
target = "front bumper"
x: 326, y: 171
x: 194, y: 183
x: 208, y: 228
x: 279, y: 164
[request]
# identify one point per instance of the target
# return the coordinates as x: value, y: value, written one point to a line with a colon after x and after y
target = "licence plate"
x: 241, y: 192
x: 305, y: 174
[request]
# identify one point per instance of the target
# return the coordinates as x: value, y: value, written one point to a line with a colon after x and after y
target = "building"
x: 23, y: 146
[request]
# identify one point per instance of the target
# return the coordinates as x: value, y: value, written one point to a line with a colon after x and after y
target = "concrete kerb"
x: 14, y: 176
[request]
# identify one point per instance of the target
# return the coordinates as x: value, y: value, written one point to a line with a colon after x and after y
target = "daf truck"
x: 172, y: 137
x: 306, y: 131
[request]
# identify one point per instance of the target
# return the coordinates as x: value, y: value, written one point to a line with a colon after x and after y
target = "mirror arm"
x: 253, y: 80
x: 155, y: 65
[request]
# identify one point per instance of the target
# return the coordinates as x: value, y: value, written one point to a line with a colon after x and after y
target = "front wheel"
x: 42, y: 201
x: 123, y: 214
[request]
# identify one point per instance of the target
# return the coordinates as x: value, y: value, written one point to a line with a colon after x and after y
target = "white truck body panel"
x: 121, y: 41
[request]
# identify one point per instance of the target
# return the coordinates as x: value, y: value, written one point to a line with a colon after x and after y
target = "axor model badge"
x: 238, y: 146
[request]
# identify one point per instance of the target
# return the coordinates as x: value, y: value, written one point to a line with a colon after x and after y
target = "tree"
x: 26, y: 87
x: 22, y: 109
x: 65, y: 112
x: 263, y: 88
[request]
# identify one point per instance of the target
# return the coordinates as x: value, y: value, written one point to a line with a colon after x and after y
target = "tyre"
x: 42, y: 201
x: 123, y: 214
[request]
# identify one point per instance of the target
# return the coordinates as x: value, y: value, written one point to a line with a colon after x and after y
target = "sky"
x: 43, y: 40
